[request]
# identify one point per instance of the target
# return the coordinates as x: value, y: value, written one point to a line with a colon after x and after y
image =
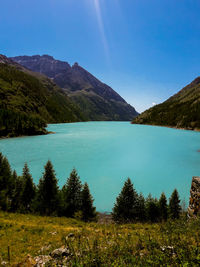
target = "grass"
x: 174, y: 243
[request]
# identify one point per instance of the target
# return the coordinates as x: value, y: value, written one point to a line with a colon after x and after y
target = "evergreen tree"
x: 6, y: 183
x: 87, y: 209
x: 141, y: 208
x: 163, y: 207
x: 125, y: 208
x: 152, y: 209
x: 28, y: 192
x: 16, y: 204
x: 47, y: 202
x: 72, y: 194
x: 174, y: 205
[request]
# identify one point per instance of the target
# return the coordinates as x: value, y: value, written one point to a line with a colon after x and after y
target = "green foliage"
x: 16, y: 204
x: 71, y: 192
x: 47, y: 194
x: 171, y: 243
x: 87, y: 209
x: 152, y: 209
x: 174, y: 205
x: 29, y: 190
x: 163, y: 207
x: 181, y: 110
x: 28, y: 101
x: 6, y: 183
x: 125, y: 208
x: 13, y: 123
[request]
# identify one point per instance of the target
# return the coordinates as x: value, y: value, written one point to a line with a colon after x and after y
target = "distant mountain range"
x: 29, y: 100
x: 181, y: 110
x: 96, y: 100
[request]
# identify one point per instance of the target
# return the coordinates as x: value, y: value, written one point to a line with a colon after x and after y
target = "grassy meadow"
x: 173, y: 243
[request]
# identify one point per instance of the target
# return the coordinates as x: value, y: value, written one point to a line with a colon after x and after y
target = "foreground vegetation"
x: 172, y: 243
x: 20, y: 194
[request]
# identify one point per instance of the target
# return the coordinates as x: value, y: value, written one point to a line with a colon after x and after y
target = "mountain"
x: 181, y: 110
x: 29, y: 100
x: 96, y: 100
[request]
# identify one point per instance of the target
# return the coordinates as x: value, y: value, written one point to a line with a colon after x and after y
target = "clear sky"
x: 145, y: 49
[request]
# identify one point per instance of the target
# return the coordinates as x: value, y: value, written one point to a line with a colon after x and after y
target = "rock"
x: 42, y: 260
x: 60, y: 252
x: 70, y: 235
x: 194, y: 203
x: 4, y: 263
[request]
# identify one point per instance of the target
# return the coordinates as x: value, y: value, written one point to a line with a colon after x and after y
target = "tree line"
x: 131, y: 206
x: 16, y: 123
x: 20, y: 194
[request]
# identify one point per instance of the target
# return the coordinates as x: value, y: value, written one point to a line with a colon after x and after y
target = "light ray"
x: 101, y: 28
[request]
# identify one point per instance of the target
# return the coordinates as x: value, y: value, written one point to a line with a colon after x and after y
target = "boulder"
x: 60, y: 252
x: 194, y: 202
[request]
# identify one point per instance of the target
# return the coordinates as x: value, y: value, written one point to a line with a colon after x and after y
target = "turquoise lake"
x: 106, y: 153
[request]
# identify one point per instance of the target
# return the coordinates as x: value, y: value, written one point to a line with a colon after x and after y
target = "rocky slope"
x: 96, y: 100
x: 181, y: 110
x: 29, y: 100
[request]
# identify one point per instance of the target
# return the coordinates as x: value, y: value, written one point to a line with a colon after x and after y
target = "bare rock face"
x: 194, y: 204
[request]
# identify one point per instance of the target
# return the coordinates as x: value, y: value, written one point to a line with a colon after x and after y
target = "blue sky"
x: 145, y: 49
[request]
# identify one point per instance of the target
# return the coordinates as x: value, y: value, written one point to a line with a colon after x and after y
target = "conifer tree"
x: 28, y: 192
x: 47, y: 202
x: 72, y: 194
x: 16, y: 204
x: 141, y: 208
x: 6, y: 184
x: 174, y: 205
x: 163, y: 207
x: 87, y: 209
x: 152, y: 209
x: 125, y: 207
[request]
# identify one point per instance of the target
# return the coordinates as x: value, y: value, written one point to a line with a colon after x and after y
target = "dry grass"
x: 170, y: 244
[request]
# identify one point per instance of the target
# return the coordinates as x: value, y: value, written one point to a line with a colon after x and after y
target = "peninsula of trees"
x: 28, y: 101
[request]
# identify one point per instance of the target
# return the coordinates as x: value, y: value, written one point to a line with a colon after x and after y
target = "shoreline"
x: 168, y: 126
x: 7, y: 136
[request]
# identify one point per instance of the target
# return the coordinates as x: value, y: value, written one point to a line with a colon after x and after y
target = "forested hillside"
x: 181, y: 110
x: 28, y: 101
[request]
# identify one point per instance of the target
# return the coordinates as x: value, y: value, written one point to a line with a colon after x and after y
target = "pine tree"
x: 87, y: 209
x: 6, y: 184
x: 16, y: 204
x: 72, y: 194
x: 28, y: 192
x: 47, y: 202
x: 125, y: 208
x: 163, y: 207
x: 141, y: 208
x: 152, y: 209
x: 174, y: 205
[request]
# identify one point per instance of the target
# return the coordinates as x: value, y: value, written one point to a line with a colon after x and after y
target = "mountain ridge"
x: 95, y: 99
x: 182, y: 110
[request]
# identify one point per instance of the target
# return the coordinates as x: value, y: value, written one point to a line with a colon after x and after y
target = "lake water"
x: 106, y: 153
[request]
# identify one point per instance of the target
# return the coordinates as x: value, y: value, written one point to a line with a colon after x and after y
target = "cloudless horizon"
x: 145, y: 50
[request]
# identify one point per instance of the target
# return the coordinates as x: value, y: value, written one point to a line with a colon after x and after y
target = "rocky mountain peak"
x: 98, y: 100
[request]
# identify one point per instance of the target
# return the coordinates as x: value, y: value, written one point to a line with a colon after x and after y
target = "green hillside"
x: 181, y: 110
x: 28, y: 101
